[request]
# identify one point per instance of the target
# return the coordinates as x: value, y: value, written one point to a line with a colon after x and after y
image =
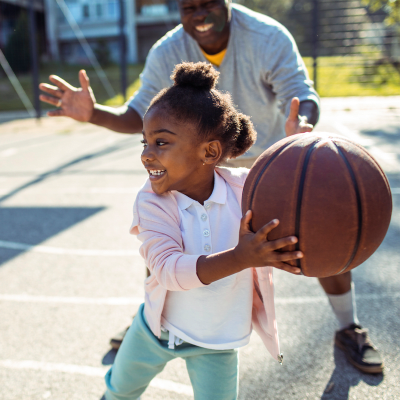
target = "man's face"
x: 207, y: 21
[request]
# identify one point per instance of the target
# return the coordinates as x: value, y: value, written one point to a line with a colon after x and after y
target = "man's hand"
x: 296, y: 123
x: 76, y: 103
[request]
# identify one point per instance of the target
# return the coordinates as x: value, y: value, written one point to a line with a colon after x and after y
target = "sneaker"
x: 360, y: 351
x: 116, y: 340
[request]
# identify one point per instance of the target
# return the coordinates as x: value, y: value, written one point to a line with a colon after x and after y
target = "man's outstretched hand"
x: 296, y: 123
x: 76, y: 103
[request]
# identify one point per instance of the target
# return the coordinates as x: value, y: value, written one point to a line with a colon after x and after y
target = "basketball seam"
x: 300, y: 197
x: 371, y: 157
x: 359, y: 208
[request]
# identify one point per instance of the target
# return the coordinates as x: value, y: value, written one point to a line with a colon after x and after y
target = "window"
x: 99, y: 10
x: 112, y: 8
x: 85, y: 11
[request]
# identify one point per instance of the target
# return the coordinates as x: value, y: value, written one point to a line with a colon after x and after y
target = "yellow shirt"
x: 215, y: 59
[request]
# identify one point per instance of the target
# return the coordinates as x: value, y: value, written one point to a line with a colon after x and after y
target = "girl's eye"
x: 144, y: 143
x: 161, y: 143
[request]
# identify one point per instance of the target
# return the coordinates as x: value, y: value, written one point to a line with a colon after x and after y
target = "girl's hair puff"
x: 193, y: 98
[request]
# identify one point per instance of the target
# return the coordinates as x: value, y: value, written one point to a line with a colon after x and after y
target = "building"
x: 98, y: 20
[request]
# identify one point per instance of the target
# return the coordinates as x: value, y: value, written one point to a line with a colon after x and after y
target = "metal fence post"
x: 34, y: 58
x: 315, y: 41
x: 122, y: 40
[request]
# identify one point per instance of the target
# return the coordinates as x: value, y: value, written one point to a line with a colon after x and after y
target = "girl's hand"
x: 255, y: 250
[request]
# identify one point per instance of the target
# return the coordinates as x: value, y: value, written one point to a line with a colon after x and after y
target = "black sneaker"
x: 360, y: 351
x: 116, y: 340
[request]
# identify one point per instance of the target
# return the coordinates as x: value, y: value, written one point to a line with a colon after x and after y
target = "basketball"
x: 326, y: 190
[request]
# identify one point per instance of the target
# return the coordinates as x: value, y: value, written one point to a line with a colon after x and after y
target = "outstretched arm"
x: 80, y: 104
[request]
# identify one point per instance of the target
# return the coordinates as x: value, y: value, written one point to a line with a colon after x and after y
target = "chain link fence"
x: 353, y: 50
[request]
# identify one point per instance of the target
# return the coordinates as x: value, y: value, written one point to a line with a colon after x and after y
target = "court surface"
x: 71, y: 275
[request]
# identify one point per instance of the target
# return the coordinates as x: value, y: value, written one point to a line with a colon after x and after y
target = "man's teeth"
x: 204, y: 28
x: 156, y: 171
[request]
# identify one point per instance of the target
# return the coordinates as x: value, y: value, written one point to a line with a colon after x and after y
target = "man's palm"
x: 76, y: 103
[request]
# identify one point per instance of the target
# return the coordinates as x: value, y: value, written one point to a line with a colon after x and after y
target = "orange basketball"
x: 326, y: 190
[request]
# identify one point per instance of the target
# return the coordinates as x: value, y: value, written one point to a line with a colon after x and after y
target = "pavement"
x: 71, y: 275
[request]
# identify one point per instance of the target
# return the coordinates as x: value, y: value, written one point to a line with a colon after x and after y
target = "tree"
x: 391, y: 8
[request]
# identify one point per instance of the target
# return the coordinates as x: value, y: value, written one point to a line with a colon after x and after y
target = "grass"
x: 354, y: 76
x: 337, y: 77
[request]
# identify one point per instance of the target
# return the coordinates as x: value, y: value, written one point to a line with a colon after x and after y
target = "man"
x: 261, y: 67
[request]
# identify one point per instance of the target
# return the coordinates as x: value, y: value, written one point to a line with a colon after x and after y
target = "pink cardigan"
x: 156, y: 221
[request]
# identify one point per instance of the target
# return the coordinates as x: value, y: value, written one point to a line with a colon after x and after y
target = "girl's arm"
x: 253, y: 250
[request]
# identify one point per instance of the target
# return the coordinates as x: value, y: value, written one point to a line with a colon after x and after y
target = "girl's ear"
x: 212, y: 152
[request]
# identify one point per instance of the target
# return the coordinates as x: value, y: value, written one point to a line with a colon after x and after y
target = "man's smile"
x: 204, y: 27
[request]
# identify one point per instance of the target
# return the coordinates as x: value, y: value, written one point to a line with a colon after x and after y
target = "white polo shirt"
x: 225, y: 305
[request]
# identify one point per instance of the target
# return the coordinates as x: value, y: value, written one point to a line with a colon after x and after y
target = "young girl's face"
x: 172, y: 155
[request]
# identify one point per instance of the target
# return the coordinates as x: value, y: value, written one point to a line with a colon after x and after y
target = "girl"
x: 208, y: 285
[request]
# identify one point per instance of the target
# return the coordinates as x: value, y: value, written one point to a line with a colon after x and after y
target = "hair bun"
x: 200, y: 75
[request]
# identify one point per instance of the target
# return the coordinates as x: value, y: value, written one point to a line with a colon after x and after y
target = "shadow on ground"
x: 109, y: 357
x: 339, y: 384
x: 34, y: 225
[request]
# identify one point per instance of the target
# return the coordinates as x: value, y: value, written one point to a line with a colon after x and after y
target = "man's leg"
x: 351, y: 337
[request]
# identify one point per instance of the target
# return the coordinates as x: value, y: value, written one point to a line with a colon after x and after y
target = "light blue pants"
x: 213, y: 373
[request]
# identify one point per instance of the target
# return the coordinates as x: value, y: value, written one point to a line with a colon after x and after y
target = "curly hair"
x: 193, y: 97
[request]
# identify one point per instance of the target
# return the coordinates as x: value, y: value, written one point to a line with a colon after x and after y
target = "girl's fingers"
x: 60, y: 83
x: 245, y: 222
x: 262, y: 233
x: 50, y: 89
x: 56, y: 113
x: 285, y: 256
x: 47, y: 99
x: 279, y: 243
x: 288, y: 268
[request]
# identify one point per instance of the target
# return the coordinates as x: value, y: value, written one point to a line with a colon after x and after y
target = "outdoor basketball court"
x: 71, y: 275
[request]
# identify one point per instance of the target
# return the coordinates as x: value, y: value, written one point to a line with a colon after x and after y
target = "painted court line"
x: 322, y: 299
x: 105, y: 190
x: 157, y: 383
x: 108, y: 301
x: 126, y: 301
x: 62, y: 251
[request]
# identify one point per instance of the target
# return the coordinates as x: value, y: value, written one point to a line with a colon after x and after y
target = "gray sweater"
x: 262, y: 70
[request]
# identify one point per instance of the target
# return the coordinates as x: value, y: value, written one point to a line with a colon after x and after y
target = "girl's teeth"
x: 157, y: 172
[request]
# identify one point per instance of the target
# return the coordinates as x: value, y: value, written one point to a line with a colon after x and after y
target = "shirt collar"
x: 218, y: 194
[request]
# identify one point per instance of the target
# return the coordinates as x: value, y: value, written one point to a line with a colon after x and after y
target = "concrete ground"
x: 71, y: 276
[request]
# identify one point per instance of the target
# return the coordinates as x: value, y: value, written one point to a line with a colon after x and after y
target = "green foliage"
x: 272, y: 8
x: 391, y: 7
x: 17, y: 50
